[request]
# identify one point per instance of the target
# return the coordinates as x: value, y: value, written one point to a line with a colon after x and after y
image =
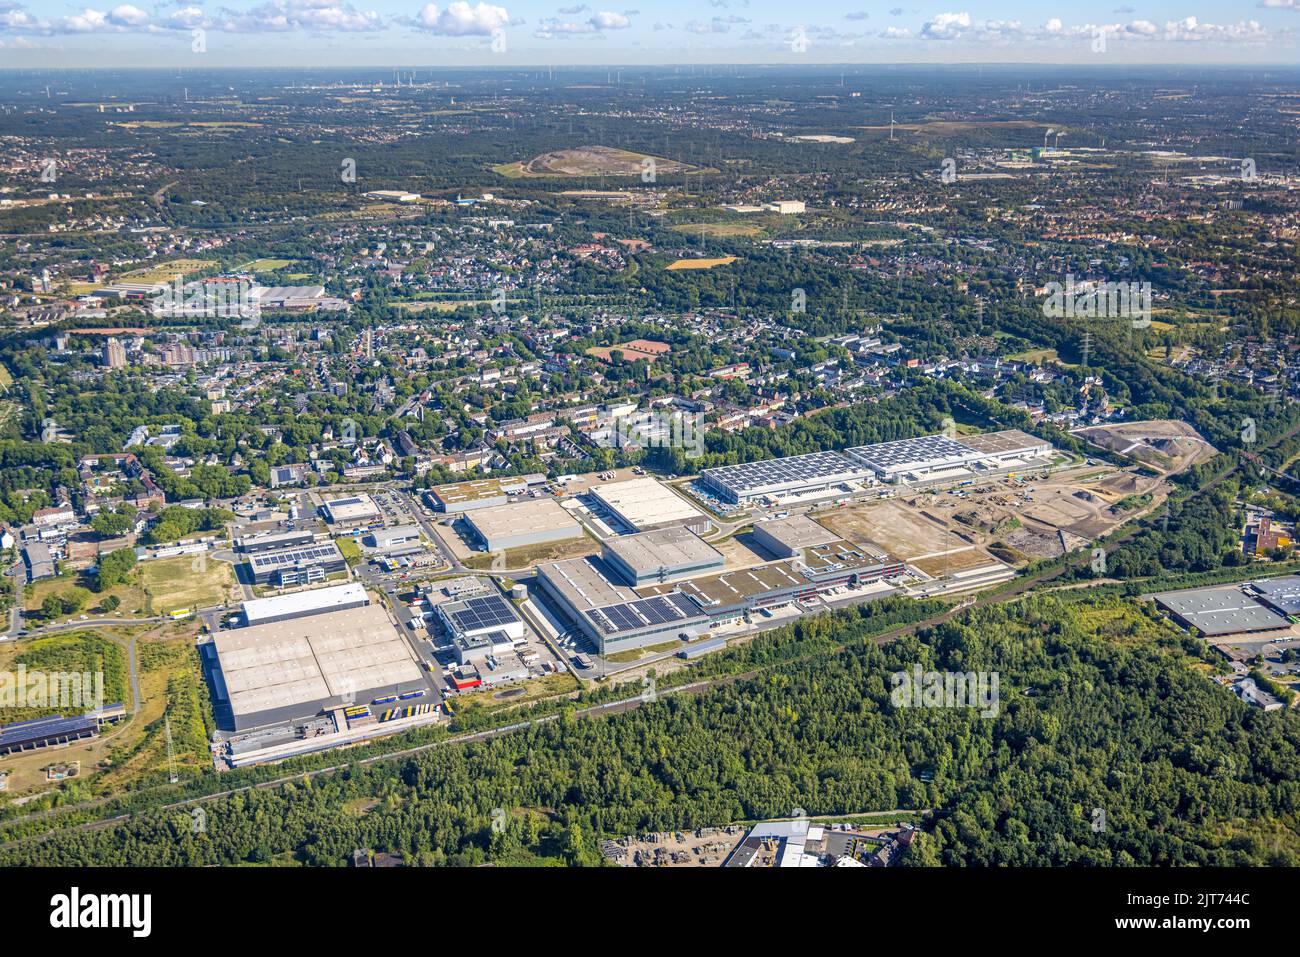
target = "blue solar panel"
x: 295, y: 556
x: 486, y: 611
x: 43, y: 727
x: 645, y: 612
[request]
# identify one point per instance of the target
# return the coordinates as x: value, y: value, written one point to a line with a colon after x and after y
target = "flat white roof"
x: 523, y: 518
x: 398, y: 531
x: 672, y: 549
x: 797, y: 531
x: 257, y: 610
x: 305, y: 660
x: 351, y: 508
x: 644, y: 501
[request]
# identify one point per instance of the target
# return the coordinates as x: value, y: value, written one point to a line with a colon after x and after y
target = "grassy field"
x: 559, y: 683
x: 171, y: 684
x: 265, y: 265
x: 1037, y: 356
x: 720, y: 230
x: 186, y: 582
x: 636, y: 654
x: 531, y: 555
x: 78, y: 653
x: 169, y: 271
x: 133, y: 753
x: 350, y: 549
x: 130, y: 595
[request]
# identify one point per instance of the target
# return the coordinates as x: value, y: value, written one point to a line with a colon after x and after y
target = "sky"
x: 224, y: 33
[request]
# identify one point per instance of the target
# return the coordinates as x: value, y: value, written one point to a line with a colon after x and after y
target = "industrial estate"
x: 728, y: 466
x: 652, y: 584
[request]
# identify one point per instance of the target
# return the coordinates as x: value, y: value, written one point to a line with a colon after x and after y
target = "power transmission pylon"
x: 171, y: 752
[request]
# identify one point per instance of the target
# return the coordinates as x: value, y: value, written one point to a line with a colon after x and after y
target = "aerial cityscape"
x: 634, y: 461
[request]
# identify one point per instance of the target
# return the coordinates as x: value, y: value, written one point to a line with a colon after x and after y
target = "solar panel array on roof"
x: 290, y: 557
x: 484, y: 611
x: 776, y: 473
x: 923, y: 451
x: 42, y: 729
x: 645, y: 612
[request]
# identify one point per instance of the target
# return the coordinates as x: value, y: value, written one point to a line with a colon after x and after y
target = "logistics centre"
x: 669, y: 584
x: 305, y: 653
x: 917, y: 461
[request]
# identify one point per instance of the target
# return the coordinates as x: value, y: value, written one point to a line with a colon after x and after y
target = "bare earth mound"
x: 593, y: 161
x: 1167, y: 445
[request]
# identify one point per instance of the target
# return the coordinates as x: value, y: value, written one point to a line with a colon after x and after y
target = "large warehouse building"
x: 936, y: 458
x: 394, y: 536
x: 916, y: 458
x: 1011, y: 447
x: 1280, y: 594
x: 786, y: 537
x: 467, y: 496
x: 793, y: 475
x: 665, y: 554
x: 262, y: 611
x: 814, y: 560
x: 528, y: 522
x: 644, y: 504
x: 296, y: 668
x: 481, y: 624
x: 662, y: 586
x: 610, y: 613
x: 922, y: 460
x: 1221, y: 610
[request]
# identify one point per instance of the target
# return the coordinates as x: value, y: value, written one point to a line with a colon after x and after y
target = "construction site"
x: 1010, y: 520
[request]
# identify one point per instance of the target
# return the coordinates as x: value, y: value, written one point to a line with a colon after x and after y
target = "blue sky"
x: 41, y: 33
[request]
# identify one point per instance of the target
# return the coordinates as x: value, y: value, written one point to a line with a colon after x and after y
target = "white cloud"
x: 607, y: 20
x: 947, y: 26
x: 462, y: 20
x: 961, y: 26
x: 281, y: 16
x: 552, y: 28
x: 467, y: 18
x: 716, y: 25
x: 186, y: 18
x: 127, y: 15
